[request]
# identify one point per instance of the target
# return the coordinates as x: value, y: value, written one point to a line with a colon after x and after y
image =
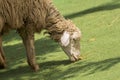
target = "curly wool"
x: 38, y: 14
x: 17, y: 13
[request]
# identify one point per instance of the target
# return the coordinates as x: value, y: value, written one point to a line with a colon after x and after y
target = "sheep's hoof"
x: 36, y: 68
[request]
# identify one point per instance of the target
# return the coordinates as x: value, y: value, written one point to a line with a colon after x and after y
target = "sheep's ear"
x: 65, y: 39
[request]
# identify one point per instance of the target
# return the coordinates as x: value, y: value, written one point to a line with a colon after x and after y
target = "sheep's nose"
x: 76, y: 58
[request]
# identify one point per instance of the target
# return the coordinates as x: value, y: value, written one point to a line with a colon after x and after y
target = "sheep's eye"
x: 74, y: 39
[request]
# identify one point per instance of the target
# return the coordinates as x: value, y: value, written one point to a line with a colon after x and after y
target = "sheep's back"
x: 19, y: 12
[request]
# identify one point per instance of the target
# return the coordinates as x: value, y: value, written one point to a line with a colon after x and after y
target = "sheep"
x: 32, y: 16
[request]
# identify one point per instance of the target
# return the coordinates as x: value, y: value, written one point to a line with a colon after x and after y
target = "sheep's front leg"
x: 28, y: 40
x: 2, y: 57
x: 29, y: 44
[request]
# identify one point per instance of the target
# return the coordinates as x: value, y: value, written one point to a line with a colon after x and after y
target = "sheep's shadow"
x: 104, y: 7
x: 80, y: 68
x: 83, y: 68
x: 25, y: 70
x: 93, y: 67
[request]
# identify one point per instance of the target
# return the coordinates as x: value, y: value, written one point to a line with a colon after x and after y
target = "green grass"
x: 99, y: 21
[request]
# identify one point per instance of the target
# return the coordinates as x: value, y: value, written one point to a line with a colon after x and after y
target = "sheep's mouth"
x: 75, y: 58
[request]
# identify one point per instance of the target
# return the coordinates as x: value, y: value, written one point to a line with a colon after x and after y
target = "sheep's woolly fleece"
x: 38, y: 14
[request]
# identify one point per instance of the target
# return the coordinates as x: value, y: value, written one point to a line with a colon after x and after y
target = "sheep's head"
x: 70, y: 41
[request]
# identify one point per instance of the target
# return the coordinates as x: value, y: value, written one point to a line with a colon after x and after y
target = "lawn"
x: 99, y: 21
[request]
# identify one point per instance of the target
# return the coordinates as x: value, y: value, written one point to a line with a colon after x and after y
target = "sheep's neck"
x: 55, y: 23
x: 56, y: 28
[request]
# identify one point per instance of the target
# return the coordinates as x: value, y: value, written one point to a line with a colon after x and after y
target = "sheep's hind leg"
x: 28, y: 40
x: 2, y: 57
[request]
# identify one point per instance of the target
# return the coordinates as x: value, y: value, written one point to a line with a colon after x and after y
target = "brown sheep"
x: 30, y: 16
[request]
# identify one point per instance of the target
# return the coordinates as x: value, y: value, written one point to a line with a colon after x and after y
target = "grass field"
x: 99, y: 21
